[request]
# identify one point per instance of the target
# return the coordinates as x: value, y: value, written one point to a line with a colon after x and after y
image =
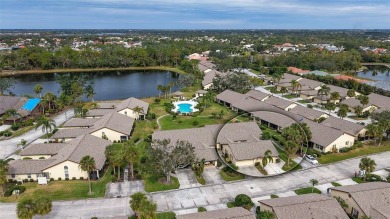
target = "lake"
x: 378, y: 73
x: 109, y: 85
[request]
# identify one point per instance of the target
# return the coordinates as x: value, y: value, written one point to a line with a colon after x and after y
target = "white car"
x: 311, y: 159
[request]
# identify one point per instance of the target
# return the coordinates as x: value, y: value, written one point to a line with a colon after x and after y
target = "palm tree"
x: 117, y: 160
x: 351, y: 93
x: 313, y: 183
x: 323, y: 91
x: 22, y: 143
x: 368, y: 165
x: 135, y: 201
x: 138, y: 110
x: 295, y: 85
x: 3, y: 174
x: 43, y: 205
x: 25, y: 208
x: 87, y: 163
x: 130, y: 154
x: 330, y: 106
x: 335, y: 96
x: 267, y: 158
x: 48, y: 125
x: 159, y: 88
x: 358, y: 110
x: 38, y: 89
x: 50, y: 97
x: 90, y: 92
x: 283, y: 90
x: 274, y: 89
x: 363, y: 99
x: 148, y: 210
x: 291, y: 149
x: 375, y: 131
x: 207, y: 98
x: 12, y: 113
x: 277, y: 77
x: 43, y: 104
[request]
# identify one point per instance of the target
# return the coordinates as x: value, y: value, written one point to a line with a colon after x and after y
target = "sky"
x: 195, y: 14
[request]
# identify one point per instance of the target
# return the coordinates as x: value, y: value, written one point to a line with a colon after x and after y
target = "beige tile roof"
x: 71, y: 132
x: 278, y: 102
x: 309, y: 84
x: 287, y: 78
x: 373, y: 198
x: 107, y: 105
x: 252, y: 150
x: 202, y: 68
x: 208, y: 64
x: 352, y: 102
x: 115, y: 121
x: 379, y: 100
x: 249, y: 104
x: 209, y: 76
x: 42, y: 149
x: 343, y: 125
x: 229, y: 213
x: 342, y: 91
x: 8, y: 102
x: 311, y: 114
x: 99, y: 112
x: 80, y: 147
x: 80, y: 122
x: 307, y: 206
x: 258, y: 95
x: 239, y: 132
x: 274, y: 118
x: 321, y: 134
x: 131, y: 103
x: 230, y: 96
x: 27, y: 166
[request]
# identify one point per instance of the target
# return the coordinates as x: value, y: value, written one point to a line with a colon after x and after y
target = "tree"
x: 43, y: 205
x: 90, y: 91
x: 375, y: 131
x: 267, y: 158
x: 130, y: 154
x: 368, y: 165
x: 313, y: 183
x: 138, y: 110
x: 147, y: 209
x: 3, y: 174
x: 38, y: 89
x: 335, y: 96
x: 208, y: 98
x: 342, y: 113
x: 295, y: 86
x: 25, y: 208
x: 330, y: 106
x: 48, y: 125
x: 198, y: 167
x: 87, y: 163
x: 358, y: 110
x: 273, y: 89
x: 12, y: 113
x: 165, y: 158
x: 363, y: 99
x: 266, y: 215
x: 6, y: 84
x: 22, y: 143
x: 136, y: 200
x: 351, y: 93
x: 323, y: 91
x: 291, y: 149
x: 283, y: 90
x: 50, y: 98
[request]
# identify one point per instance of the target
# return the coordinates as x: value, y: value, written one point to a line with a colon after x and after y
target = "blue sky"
x: 195, y: 14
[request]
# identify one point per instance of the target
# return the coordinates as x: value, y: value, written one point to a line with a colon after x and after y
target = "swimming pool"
x: 31, y: 104
x: 185, y: 106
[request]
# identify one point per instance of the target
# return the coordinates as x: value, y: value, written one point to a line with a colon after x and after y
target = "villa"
x: 366, y: 199
x: 351, y: 128
x: 379, y: 101
x: 58, y: 160
x: 207, y: 81
x: 25, y: 107
x: 307, y: 206
x: 128, y: 107
x: 229, y: 213
x: 353, y: 102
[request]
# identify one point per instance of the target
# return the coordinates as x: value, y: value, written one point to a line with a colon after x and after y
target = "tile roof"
x: 278, y: 102
x: 258, y: 95
x: 209, y: 76
x: 115, y: 121
x: 312, y: 84
x: 250, y: 104
x: 274, y: 118
x: 99, y: 112
x: 8, y: 102
x: 107, y: 105
x: 342, y: 91
x: 202, y: 68
x: 307, y: 206
x: 71, y: 132
x: 80, y: 122
x: 239, y: 132
x: 343, y: 125
x: 252, y: 150
x: 321, y: 134
x: 42, y: 149
x: 27, y: 166
x: 379, y: 100
x: 230, y: 96
x: 229, y: 213
x: 352, y: 102
x: 131, y: 103
x: 311, y: 114
x: 372, y: 197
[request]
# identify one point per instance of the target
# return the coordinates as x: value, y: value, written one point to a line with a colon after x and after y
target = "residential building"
x: 129, y: 107
x: 379, y: 101
x: 367, y: 199
x: 351, y: 128
x: 229, y: 213
x: 307, y: 206
x: 353, y: 102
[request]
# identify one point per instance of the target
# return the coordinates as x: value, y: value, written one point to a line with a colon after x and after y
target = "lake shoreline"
x: 81, y: 70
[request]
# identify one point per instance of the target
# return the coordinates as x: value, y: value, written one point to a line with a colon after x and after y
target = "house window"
x: 354, y: 213
x: 126, y: 113
x: 66, y: 171
x: 347, y: 143
x: 13, y: 175
x: 29, y: 176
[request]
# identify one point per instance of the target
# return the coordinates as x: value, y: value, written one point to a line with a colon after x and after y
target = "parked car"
x: 311, y: 159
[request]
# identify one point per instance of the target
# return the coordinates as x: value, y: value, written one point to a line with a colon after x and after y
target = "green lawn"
x: 307, y: 190
x: 233, y: 177
x: 231, y: 204
x: 335, y: 184
x: 200, y: 179
x: 166, y: 215
x: 274, y: 196
x: 358, y: 179
x: 290, y: 96
x: 365, y: 150
x: 152, y: 184
x: 304, y: 101
x: 64, y: 190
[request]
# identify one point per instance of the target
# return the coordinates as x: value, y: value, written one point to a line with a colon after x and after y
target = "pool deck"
x: 192, y: 102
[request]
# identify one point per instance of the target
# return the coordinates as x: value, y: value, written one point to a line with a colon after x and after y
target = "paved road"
x: 8, y: 147
x: 210, y: 195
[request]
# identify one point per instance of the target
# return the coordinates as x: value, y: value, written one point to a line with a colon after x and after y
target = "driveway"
x: 249, y: 170
x: 9, y: 146
x: 187, y: 178
x: 211, y: 175
x: 123, y: 189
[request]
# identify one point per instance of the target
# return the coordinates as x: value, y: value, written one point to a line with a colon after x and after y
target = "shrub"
x: 277, y: 160
x: 6, y: 133
x: 136, y: 139
x: 202, y: 209
x: 266, y: 136
x: 10, y: 189
x: 274, y: 196
x: 195, y: 123
x: 388, y: 178
x: 373, y: 178
x: 143, y: 159
x: 66, y: 178
x: 148, y: 139
x: 59, y: 178
x: 358, y: 144
x: 10, y: 180
x: 15, y: 127
x: 243, y: 200
x: 309, y: 106
x: 81, y: 178
x: 31, y: 180
x: 73, y: 178
x: 41, y: 158
x: 25, y: 180
x: 157, y: 100
x: 51, y: 179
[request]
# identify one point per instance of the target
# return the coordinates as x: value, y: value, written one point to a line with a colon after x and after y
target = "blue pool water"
x: 184, y: 107
x: 31, y: 104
